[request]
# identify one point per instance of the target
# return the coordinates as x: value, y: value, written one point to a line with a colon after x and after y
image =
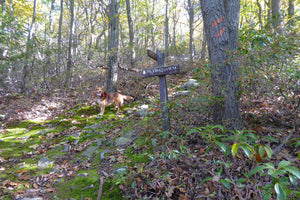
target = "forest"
x: 149, y: 99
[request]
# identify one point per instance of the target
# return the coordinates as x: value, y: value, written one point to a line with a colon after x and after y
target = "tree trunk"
x: 112, y: 77
x: 221, y: 19
x: 131, y: 34
x: 203, y: 48
x: 191, y: 25
x: 28, y: 49
x: 167, y: 31
x: 291, y: 13
x: 276, y: 16
x: 58, y: 69
x: 152, y: 28
x: 70, y: 52
x: 259, y: 15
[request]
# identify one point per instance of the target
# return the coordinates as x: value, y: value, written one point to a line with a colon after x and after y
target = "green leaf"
x: 221, y: 145
x: 257, y: 169
x: 246, y: 150
x: 293, y: 170
x: 271, y: 139
x: 284, y: 163
x: 269, y: 151
x: 234, y: 149
x: 226, y: 182
x: 206, y: 179
x: 279, y: 191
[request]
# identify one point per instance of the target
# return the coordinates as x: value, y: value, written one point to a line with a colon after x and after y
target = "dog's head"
x: 100, y: 92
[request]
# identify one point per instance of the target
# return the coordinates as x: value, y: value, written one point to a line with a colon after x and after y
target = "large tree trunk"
x: 131, y: 34
x: 191, y: 25
x: 28, y: 49
x: 221, y: 19
x: 112, y: 76
x: 70, y: 53
x: 59, y: 40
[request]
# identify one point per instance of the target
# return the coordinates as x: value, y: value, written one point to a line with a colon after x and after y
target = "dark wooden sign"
x: 161, y: 71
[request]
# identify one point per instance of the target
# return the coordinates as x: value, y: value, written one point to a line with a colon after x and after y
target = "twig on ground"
x: 100, y: 188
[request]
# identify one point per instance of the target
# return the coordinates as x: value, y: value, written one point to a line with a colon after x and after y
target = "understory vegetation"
x: 195, y: 159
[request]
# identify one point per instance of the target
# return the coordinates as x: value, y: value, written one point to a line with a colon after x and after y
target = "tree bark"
x: 131, y: 34
x: 221, y: 20
x: 28, y: 50
x: 59, y: 40
x: 259, y: 15
x: 291, y: 13
x: 191, y: 25
x: 70, y: 53
x: 112, y: 77
x: 167, y: 31
x: 276, y: 16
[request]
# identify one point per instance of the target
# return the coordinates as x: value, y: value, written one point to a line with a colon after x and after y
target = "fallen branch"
x: 129, y: 69
x: 284, y: 141
x: 100, y: 188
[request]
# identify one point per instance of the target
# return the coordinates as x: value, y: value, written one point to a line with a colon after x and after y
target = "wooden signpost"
x: 161, y: 71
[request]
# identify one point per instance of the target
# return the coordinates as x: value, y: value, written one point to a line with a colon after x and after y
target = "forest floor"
x: 58, y: 147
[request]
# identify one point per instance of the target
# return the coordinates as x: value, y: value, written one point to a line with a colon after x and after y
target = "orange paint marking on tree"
x: 218, y: 21
x: 220, y: 32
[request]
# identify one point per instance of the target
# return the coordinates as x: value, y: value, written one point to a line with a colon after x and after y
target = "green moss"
x: 86, y: 186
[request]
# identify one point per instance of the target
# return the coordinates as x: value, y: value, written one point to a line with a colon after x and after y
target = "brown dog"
x: 106, y: 99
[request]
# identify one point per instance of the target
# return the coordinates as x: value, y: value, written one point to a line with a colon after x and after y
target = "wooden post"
x: 161, y: 71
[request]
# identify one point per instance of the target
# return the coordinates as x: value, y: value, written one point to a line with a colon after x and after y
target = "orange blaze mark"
x: 218, y: 21
x: 220, y: 32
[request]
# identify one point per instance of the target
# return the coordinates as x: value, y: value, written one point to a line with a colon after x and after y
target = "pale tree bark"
x: 221, y: 20
x: 59, y: 41
x: 70, y: 47
x: 131, y: 34
x: 175, y: 18
x: 28, y: 49
x: 112, y: 76
x: 3, y: 10
x: 152, y: 26
x: 203, y: 47
x: 291, y: 13
x: 259, y: 14
x: 191, y: 25
x: 276, y: 16
x: 167, y: 31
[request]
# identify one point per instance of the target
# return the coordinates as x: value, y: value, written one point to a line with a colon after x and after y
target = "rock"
x: 102, y: 155
x: 143, y: 111
x: 45, y: 162
x: 90, y: 150
x: 67, y: 148
x: 190, y: 83
x: 122, y: 141
x: 182, y: 93
x: 75, y: 134
x: 120, y: 170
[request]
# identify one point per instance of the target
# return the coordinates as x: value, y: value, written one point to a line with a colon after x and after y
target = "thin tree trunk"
x: 291, y: 13
x: 131, y: 34
x: 221, y: 20
x: 58, y: 69
x: 113, y: 47
x: 191, y: 25
x: 28, y: 49
x: 203, y: 48
x: 70, y: 53
x: 259, y: 15
x: 152, y: 28
x: 167, y: 31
